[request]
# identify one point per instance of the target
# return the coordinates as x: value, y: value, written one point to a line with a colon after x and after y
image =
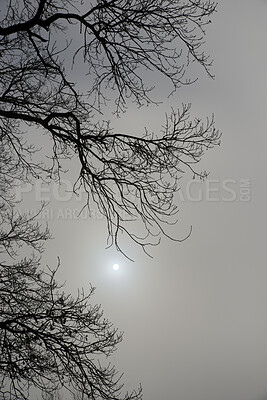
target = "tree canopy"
x: 127, y: 177
x: 49, y: 340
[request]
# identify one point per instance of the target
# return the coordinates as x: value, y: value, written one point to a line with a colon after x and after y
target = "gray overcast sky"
x: 195, y: 316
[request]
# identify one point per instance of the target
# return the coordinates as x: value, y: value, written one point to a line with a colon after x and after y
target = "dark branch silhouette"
x: 50, y: 342
x: 128, y: 177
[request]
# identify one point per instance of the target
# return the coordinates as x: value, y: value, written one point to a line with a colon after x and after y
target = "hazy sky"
x: 195, y: 316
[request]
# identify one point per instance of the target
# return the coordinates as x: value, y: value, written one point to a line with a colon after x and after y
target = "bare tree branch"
x: 49, y: 340
x: 128, y: 177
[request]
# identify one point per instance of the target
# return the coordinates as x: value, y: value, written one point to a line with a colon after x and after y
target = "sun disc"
x: 116, y: 267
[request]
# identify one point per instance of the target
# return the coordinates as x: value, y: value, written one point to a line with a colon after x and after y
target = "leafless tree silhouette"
x: 51, y: 341
x: 126, y: 177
